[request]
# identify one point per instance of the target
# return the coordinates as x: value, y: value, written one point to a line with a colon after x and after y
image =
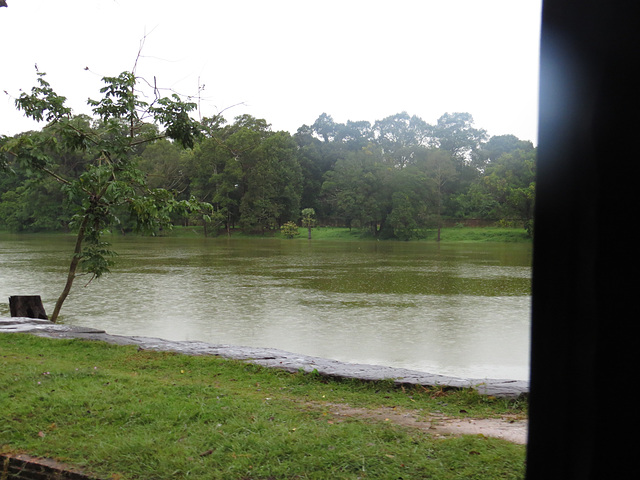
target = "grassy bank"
x: 448, y: 235
x: 129, y: 414
x: 483, y: 234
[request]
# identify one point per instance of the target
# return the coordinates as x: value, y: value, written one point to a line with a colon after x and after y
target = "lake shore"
x: 268, y: 357
x: 123, y: 411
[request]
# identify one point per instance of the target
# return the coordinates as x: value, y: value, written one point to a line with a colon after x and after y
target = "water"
x: 461, y: 310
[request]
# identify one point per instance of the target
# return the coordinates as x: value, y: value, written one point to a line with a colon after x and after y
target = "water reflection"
x: 454, y: 310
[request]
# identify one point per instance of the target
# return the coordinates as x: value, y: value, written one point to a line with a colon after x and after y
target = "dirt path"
x: 510, y: 429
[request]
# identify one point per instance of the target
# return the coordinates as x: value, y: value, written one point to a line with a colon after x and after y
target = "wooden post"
x: 27, y: 306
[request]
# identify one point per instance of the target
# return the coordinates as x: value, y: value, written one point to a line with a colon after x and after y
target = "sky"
x: 286, y: 61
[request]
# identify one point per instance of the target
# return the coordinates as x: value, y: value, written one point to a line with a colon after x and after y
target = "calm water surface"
x: 460, y: 310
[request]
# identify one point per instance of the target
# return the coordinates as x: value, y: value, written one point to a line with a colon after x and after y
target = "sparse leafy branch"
x: 43, y: 104
x: 119, y: 99
x: 173, y: 114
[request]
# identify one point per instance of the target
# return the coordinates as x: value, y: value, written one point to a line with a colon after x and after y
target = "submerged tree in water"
x: 308, y: 220
x: 290, y: 230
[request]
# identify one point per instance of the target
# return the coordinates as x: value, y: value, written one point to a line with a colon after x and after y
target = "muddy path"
x: 511, y: 429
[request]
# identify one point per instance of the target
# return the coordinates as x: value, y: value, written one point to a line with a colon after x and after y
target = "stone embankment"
x: 268, y: 357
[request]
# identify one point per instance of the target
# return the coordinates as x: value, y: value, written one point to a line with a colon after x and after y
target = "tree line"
x: 142, y: 162
x: 396, y: 177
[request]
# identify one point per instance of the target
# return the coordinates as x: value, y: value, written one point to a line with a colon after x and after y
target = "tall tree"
x: 324, y: 128
x: 320, y: 146
x: 163, y: 164
x: 506, y: 190
x: 441, y: 169
x: 497, y: 146
x: 358, y: 191
x: 313, y: 165
x: 273, y: 184
x: 355, y: 134
x: 455, y: 133
x: 215, y: 177
x: 36, y: 204
x: 510, y: 182
x: 400, y: 135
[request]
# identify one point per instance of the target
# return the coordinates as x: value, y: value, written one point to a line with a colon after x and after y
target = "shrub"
x: 289, y: 230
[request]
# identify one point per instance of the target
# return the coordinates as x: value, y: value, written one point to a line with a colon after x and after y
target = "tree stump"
x: 27, y: 306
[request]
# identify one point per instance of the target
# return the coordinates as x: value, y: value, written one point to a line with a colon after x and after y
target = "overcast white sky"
x: 287, y: 61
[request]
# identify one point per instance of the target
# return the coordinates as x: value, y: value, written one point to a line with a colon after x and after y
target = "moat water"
x: 452, y: 309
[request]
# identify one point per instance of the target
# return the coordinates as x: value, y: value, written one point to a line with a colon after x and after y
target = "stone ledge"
x: 269, y: 357
x: 26, y: 467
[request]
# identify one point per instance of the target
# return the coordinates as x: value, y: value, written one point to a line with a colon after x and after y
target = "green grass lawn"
x: 125, y: 413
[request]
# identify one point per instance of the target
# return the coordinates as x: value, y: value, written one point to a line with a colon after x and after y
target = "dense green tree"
x: 313, y: 166
x: 273, y: 184
x: 163, y: 164
x: 355, y: 134
x: 455, y: 133
x: 498, y: 145
x: 404, y: 216
x: 319, y: 147
x: 215, y: 177
x: 219, y: 166
x: 439, y: 166
x: 357, y: 190
x: 399, y: 136
x: 419, y: 191
x: 507, y: 189
x: 249, y: 174
x: 30, y: 200
x: 324, y: 128
x: 35, y: 205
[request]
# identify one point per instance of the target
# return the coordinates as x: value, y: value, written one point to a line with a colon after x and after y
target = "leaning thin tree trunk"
x: 77, y: 252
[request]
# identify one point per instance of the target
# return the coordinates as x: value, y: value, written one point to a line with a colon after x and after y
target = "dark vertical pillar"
x: 585, y: 268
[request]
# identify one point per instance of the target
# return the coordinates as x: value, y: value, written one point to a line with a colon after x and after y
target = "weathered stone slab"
x: 23, y: 320
x: 269, y: 357
x: 21, y: 466
x: 29, y: 325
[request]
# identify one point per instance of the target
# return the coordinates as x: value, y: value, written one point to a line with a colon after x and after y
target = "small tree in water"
x: 289, y: 230
x: 109, y: 183
x: 308, y: 220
